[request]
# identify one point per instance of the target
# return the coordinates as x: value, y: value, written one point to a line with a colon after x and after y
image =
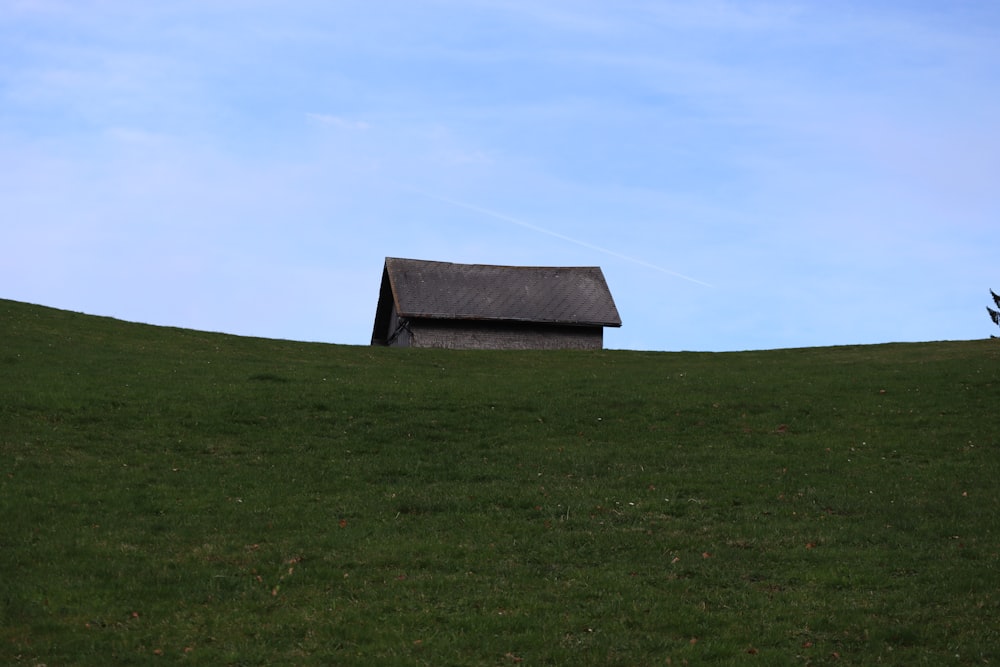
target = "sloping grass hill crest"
x: 179, y: 496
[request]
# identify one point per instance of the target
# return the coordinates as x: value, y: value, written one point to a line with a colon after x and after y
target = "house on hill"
x: 478, y: 306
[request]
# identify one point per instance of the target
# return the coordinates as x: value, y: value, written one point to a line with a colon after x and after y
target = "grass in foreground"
x: 176, y: 496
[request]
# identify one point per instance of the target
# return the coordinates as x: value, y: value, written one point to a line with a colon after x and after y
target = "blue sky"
x: 749, y: 175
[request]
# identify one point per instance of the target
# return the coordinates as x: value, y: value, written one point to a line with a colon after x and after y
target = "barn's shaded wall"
x: 472, y: 335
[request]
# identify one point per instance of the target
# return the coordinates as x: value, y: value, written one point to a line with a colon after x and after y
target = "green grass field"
x: 170, y: 496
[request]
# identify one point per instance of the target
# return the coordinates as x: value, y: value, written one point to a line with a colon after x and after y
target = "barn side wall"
x: 402, y: 335
x: 476, y: 335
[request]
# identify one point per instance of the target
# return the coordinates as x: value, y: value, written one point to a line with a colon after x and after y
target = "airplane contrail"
x: 549, y: 232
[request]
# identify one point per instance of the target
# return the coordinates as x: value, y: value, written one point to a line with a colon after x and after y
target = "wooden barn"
x: 477, y: 306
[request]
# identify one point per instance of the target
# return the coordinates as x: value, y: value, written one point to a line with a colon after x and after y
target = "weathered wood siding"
x: 402, y: 335
x: 477, y: 335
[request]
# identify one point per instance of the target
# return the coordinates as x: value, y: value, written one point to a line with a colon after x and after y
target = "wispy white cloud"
x: 563, y: 237
x: 338, y: 121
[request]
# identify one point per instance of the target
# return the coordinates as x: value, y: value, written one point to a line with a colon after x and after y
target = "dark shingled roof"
x: 442, y: 290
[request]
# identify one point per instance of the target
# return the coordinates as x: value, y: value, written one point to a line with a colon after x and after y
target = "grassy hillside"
x: 175, y: 496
